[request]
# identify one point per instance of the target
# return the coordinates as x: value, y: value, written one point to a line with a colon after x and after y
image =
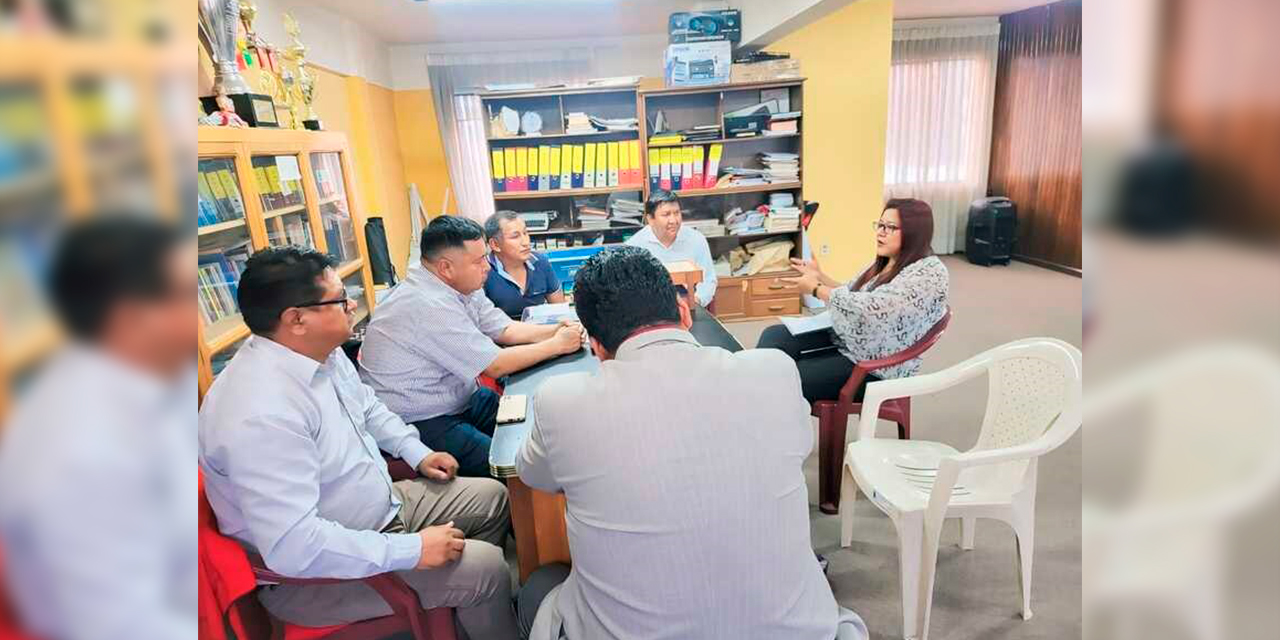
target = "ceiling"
x: 440, y: 21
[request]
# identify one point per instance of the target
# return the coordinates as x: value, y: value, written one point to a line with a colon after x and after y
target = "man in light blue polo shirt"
x: 437, y: 332
x: 670, y: 241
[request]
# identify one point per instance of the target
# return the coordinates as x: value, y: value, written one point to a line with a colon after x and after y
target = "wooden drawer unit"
x: 768, y: 287
x: 773, y: 307
x: 731, y: 298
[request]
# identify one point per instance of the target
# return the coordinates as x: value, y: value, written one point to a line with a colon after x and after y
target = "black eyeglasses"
x: 344, y: 300
x: 887, y: 228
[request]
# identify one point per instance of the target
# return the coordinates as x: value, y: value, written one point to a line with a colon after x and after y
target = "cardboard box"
x: 698, y: 63
x: 765, y: 71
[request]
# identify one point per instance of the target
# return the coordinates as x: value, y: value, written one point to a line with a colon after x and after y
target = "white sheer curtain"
x: 455, y: 77
x: 941, y: 96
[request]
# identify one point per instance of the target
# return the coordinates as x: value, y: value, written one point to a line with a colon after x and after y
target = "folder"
x: 277, y: 199
x: 233, y: 194
x: 686, y: 172
x: 665, y: 179
x: 566, y: 166
x: 219, y: 197
x: 697, y: 166
x: 589, y: 166
x: 655, y: 169
x: 522, y: 169
x: 602, y: 165
x: 534, y: 173
x: 208, y: 213
x: 575, y: 179
x: 615, y: 167
x: 499, y: 175
x: 554, y: 168
x: 544, y: 168
x: 264, y: 187
x: 637, y: 170
x: 713, y: 166
x: 509, y: 160
x: 624, y: 163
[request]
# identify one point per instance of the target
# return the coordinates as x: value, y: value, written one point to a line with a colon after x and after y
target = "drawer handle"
x: 776, y: 286
x: 777, y: 307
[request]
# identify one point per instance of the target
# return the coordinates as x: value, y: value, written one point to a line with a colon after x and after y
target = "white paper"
x: 288, y: 168
x: 549, y: 313
x: 808, y: 324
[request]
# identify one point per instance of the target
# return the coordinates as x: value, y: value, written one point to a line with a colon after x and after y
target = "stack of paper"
x: 781, y: 167
x: 739, y: 222
x: 578, y: 122
x: 665, y: 139
x: 701, y: 133
x: 628, y: 211
x: 615, y: 124
x: 710, y: 228
x: 783, y: 219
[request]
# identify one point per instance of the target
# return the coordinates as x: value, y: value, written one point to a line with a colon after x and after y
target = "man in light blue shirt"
x: 670, y: 241
x: 289, y: 447
x: 437, y: 332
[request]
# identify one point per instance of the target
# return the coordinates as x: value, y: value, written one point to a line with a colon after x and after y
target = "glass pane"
x: 279, y: 180
x: 224, y: 243
x: 107, y: 114
x: 355, y: 289
x: 339, y: 229
x: 220, y: 359
x: 28, y: 180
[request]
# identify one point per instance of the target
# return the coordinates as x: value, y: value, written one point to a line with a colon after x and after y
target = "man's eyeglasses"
x: 344, y: 300
x: 887, y: 228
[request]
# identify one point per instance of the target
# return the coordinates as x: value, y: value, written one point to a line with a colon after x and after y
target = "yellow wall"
x: 845, y: 58
x: 421, y: 148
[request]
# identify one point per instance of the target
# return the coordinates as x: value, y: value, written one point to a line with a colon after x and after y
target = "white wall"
x: 765, y: 21
x: 333, y: 41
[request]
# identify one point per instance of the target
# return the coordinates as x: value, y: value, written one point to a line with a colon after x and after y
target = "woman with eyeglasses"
x: 888, y: 308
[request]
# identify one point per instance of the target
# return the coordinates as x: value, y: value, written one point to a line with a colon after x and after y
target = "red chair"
x: 250, y: 620
x: 833, y: 415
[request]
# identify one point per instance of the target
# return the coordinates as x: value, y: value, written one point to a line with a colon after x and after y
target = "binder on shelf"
x: 655, y: 169
x: 522, y: 169
x: 589, y: 166
x: 278, y: 196
x: 499, y: 175
x: 509, y: 160
x: 613, y: 168
x: 677, y: 168
x: 544, y: 168
x: 602, y: 165
x: 554, y: 168
x: 713, y: 166
x: 566, y: 166
x: 664, y: 168
x: 534, y: 173
x: 624, y: 163
x: 233, y: 193
x: 575, y: 179
x: 208, y: 213
x: 697, y: 168
x: 265, y: 194
x: 686, y: 170
x: 637, y: 171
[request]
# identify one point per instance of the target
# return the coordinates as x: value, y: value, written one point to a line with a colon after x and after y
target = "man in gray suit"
x: 687, y: 510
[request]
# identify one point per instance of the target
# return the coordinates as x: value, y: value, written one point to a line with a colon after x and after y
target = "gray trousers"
x: 477, y: 585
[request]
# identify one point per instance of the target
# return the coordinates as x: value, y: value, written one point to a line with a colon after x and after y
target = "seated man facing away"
x: 666, y: 237
x: 687, y: 509
x: 437, y: 332
x: 289, y: 441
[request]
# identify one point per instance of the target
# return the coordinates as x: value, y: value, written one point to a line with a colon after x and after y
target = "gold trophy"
x: 302, y: 93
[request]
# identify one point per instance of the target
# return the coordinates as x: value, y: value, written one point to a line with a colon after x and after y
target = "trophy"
x: 219, y: 21
x: 304, y: 88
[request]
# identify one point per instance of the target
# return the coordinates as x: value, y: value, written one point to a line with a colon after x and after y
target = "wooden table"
x: 537, y: 516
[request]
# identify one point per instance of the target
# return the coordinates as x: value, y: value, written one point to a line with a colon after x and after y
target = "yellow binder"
x: 589, y: 166
x: 575, y: 179
x: 499, y: 175
x: 522, y: 168
x: 544, y: 168
x: 513, y: 175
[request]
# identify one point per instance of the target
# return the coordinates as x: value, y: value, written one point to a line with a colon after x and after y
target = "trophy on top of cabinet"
x: 218, y: 25
x: 304, y: 87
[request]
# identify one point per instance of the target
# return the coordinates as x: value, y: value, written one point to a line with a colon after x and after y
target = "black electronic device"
x: 705, y: 26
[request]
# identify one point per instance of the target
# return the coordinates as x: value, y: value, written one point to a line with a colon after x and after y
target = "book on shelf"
x: 499, y: 174
x: 615, y: 124
x: 783, y: 127
x: 219, y: 272
x: 578, y: 123
x: 589, y: 166
x: 665, y: 139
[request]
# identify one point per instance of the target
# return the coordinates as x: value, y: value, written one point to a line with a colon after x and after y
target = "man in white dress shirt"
x: 666, y: 237
x: 96, y: 519
x: 289, y: 445
x: 681, y: 466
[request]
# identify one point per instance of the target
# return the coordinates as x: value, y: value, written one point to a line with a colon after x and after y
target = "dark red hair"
x: 916, y: 218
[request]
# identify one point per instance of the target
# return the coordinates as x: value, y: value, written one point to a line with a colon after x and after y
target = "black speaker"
x: 991, y: 231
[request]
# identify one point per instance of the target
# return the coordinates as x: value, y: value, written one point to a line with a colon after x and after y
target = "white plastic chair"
x: 1033, y: 406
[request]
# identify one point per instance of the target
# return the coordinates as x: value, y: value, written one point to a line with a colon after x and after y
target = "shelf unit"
x: 84, y: 122
x: 275, y: 187
x: 760, y: 295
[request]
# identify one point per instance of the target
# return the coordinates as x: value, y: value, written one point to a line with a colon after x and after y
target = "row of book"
x: 593, y: 165
x: 218, y: 197
x: 274, y: 192
x: 680, y: 168
x: 219, y: 272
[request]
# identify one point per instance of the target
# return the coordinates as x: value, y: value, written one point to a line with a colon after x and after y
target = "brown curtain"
x: 1035, y: 145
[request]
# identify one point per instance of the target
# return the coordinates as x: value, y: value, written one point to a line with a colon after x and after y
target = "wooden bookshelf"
x: 725, y: 191
x: 259, y: 158
x: 759, y: 138
x: 626, y: 133
x: 562, y: 193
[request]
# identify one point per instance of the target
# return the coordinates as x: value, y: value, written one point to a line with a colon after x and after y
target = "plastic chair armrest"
x: 878, y: 392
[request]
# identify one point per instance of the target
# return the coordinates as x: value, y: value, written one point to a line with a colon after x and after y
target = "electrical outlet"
x: 825, y: 249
